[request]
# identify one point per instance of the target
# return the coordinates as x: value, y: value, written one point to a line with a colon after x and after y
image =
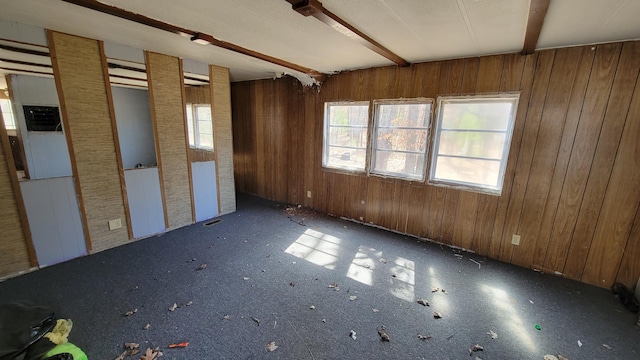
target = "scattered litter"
x: 201, y: 267
x: 352, y: 334
x: 263, y: 270
x: 147, y: 327
x: 382, y: 260
x: 245, y: 278
x: 334, y: 286
x: 189, y: 303
x: 579, y: 343
x: 449, y: 337
x: 393, y: 275
x: 475, y: 262
x: 383, y: 333
x: 424, y: 337
x: 179, y: 345
x: 458, y: 256
x: 312, y: 307
x: 131, y: 312
x: 292, y: 284
x: 275, y: 322
x: 558, y: 273
x: 436, y: 315
x: 435, y: 289
x: 293, y: 262
x: 256, y: 320
x: 444, y: 291
x: 226, y: 317
x: 493, y: 334
x: 423, y: 302
x: 474, y: 348
x: 191, y: 260
x: 352, y: 297
x: 562, y: 357
x: 607, y: 346
x: 151, y: 354
x: 550, y: 357
x: 131, y: 346
x: 538, y: 327
x: 531, y: 301
x: 173, y: 307
x: 271, y: 346
x: 375, y: 310
x: 324, y: 320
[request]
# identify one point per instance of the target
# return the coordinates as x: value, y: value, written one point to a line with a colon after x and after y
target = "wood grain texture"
x: 165, y: 97
x: 16, y: 249
x: 223, y: 137
x: 82, y: 88
x: 571, y: 158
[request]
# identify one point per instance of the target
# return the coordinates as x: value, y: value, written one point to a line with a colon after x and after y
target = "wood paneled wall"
x: 223, y: 137
x: 87, y: 118
x: 165, y: 95
x: 572, y: 182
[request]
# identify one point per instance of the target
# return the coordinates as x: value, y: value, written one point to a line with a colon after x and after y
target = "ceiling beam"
x: 537, y: 11
x: 314, y: 8
x: 195, y: 36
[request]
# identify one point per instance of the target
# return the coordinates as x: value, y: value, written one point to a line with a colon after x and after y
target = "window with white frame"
x: 200, y: 125
x: 345, y: 135
x: 400, y: 136
x: 472, y: 139
x: 7, y: 114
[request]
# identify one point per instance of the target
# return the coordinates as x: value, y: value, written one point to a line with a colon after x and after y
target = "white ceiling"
x: 416, y: 30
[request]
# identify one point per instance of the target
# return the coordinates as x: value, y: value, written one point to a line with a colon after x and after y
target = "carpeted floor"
x: 271, y: 278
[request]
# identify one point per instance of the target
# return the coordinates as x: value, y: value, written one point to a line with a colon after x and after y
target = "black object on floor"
x: 285, y: 283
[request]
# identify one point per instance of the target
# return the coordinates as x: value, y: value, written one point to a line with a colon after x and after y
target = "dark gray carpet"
x: 152, y: 274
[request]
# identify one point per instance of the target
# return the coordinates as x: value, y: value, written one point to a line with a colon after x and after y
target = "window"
x: 472, y: 141
x: 200, y: 124
x: 345, y: 135
x: 400, y: 138
x: 7, y: 114
x: 42, y: 118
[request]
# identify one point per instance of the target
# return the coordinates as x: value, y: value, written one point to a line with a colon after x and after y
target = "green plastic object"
x: 538, y: 327
x: 67, y: 348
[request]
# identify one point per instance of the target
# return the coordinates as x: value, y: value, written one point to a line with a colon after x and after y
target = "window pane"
x: 477, y: 115
x: 346, y: 136
x: 401, y: 139
x: 205, y: 127
x: 7, y: 114
x: 472, y: 144
x: 353, y: 159
x: 396, y: 163
x: 190, y: 125
x: 205, y: 141
x: 203, y: 112
x: 470, y: 171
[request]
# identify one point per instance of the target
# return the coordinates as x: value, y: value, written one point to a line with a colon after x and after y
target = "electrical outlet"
x: 309, y: 194
x: 515, y: 240
x: 115, y: 224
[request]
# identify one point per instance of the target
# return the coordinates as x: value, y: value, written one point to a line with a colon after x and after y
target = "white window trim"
x: 436, y: 142
x: 374, y: 133
x: 325, y: 134
x: 196, y: 127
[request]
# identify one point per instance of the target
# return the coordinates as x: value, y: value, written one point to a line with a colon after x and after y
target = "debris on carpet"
x: 437, y: 315
x: 475, y: 348
x: 271, y: 346
x: 423, y: 302
x: 179, y: 345
x: 352, y: 334
x: 493, y: 334
x: 383, y: 334
x: 424, y: 337
x: 131, y: 312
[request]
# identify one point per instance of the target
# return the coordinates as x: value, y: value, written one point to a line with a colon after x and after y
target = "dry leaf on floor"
x: 550, y: 357
x: 424, y: 337
x: 189, y: 303
x: 352, y: 334
x: 423, y: 302
x: 201, y: 267
x: 334, y: 286
x: 292, y: 284
x: 271, y: 346
x: 131, y: 312
x: 191, y: 260
x: 475, y: 348
x: 383, y: 333
x: 146, y: 327
x: 134, y: 352
x: 562, y: 357
x: 382, y: 260
x: 352, y: 297
x: 245, y: 278
x: 435, y: 290
x: 312, y: 307
x: 131, y: 346
x: 375, y: 310
x: 493, y: 334
x: 579, y: 343
x: 436, y: 315
x: 444, y: 291
x: 173, y: 307
x: 226, y: 317
x: 123, y: 355
x: 151, y: 354
x: 606, y: 346
x: 256, y: 320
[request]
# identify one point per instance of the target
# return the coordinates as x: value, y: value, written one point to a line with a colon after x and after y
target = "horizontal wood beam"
x: 537, y: 11
x: 195, y: 36
x: 314, y: 8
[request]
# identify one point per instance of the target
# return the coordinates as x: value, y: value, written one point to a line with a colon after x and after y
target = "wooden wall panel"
x: 223, y: 136
x: 571, y: 169
x: 14, y: 250
x: 82, y: 89
x: 165, y: 97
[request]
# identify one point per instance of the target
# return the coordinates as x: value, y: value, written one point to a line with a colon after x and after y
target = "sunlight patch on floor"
x: 316, y: 248
x: 505, y: 305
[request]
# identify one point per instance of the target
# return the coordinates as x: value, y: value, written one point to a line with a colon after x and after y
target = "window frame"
x: 514, y: 97
x: 325, y: 136
x: 371, y: 158
x: 193, y: 123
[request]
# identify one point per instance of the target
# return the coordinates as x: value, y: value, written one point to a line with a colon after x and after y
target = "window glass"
x: 345, y: 135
